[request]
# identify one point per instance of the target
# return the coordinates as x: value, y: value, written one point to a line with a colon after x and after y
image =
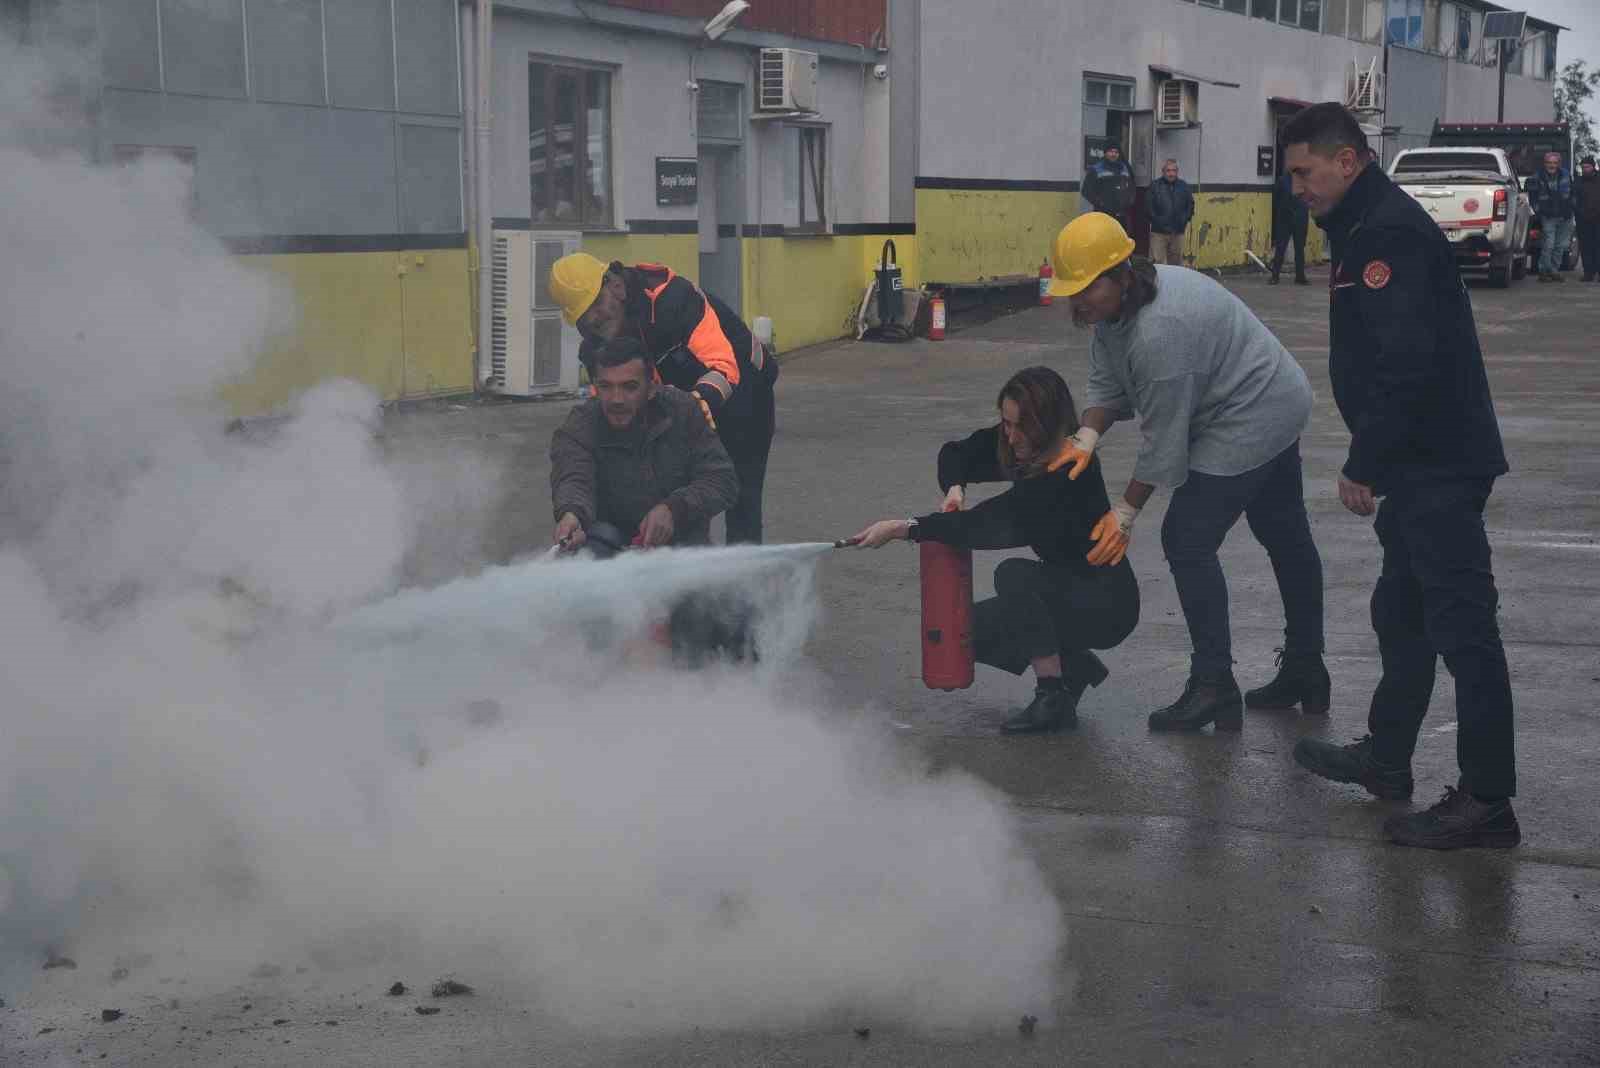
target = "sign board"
x: 1266, y: 161
x: 1094, y: 150
x: 677, y: 180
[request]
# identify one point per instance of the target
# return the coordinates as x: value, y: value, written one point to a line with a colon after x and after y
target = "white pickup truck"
x: 1475, y: 196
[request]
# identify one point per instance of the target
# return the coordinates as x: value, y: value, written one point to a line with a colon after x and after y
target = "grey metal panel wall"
x: 203, y: 46
x: 360, y: 53
x: 283, y: 161
x: 1415, y: 95
x: 286, y: 51
x: 430, y: 194
x: 425, y: 43
x: 130, y: 49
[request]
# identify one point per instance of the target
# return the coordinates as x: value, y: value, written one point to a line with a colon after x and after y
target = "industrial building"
x: 766, y: 150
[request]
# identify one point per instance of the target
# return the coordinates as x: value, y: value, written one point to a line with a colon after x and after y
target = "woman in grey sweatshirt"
x: 1221, y: 406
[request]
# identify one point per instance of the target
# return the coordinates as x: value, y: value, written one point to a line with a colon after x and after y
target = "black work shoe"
x: 1301, y: 680
x: 1050, y: 710
x: 1202, y: 702
x: 1272, y: 281
x: 1458, y: 821
x: 1354, y: 763
x: 1302, y: 281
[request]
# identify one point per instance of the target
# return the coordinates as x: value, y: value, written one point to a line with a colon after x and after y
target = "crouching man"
x: 641, y: 458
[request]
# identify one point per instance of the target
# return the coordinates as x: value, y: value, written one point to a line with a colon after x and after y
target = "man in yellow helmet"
x: 1221, y: 405
x: 693, y: 341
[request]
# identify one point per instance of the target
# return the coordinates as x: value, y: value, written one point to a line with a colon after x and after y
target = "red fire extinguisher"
x: 947, y: 662
x: 936, y: 318
x: 1046, y: 276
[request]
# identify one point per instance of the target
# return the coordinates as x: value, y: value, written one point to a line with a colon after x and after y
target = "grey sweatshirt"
x: 1214, y: 390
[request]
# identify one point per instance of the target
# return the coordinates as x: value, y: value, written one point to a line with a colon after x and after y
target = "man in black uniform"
x: 1409, y: 379
x: 694, y: 342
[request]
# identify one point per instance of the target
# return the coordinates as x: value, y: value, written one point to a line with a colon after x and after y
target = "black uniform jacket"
x: 1407, y: 371
x: 1050, y: 513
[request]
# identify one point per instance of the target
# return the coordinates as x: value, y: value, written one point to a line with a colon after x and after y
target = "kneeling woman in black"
x: 1050, y: 612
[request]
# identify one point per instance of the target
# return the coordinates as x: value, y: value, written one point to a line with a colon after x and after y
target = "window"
x: 719, y: 111
x: 1405, y: 23
x: 811, y: 143
x: 1436, y: 162
x: 1105, y: 93
x: 1336, y: 16
x: 569, y: 145
x: 1311, y: 15
x: 1264, y: 9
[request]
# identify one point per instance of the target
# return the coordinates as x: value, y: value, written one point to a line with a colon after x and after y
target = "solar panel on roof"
x: 1504, y: 24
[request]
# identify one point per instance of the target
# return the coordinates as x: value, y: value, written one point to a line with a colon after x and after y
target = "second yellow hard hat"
x: 1086, y: 248
x: 575, y: 281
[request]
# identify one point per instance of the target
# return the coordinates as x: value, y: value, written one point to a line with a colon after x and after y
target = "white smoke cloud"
x: 228, y: 740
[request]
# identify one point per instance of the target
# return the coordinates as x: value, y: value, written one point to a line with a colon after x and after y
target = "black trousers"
x: 1203, y: 510
x: 1281, y: 236
x: 1589, y: 246
x: 748, y: 438
x: 1436, y: 597
x: 1044, y: 609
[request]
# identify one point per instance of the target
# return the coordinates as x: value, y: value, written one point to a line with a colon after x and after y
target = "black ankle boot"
x: 1053, y: 708
x: 1204, y: 701
x: 1301, y: 680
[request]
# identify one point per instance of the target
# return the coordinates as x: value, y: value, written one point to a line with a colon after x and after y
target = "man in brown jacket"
x: 639, y: 456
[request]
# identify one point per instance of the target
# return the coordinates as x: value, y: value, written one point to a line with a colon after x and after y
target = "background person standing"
x: 1551, y: 192
x: 1588, y: 207
x: 1290, y: 222
x: 1171, y: 211
x: 1108, y: 187
x: 1409, y: 379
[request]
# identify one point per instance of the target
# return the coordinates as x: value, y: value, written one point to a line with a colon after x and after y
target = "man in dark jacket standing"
x: 1588, y: 197
x: 1108, y: 186
x: 638, y: 456
x: 1171, y: 211
x: 1550, y: 190
x: 1409, y: 379
x: 1290, y: 222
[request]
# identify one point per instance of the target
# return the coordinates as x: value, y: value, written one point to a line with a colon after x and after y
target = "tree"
x: 1574, y: 89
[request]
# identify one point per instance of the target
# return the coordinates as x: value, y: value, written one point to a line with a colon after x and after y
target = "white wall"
x: 1002, y: 91
x: 652, y: 114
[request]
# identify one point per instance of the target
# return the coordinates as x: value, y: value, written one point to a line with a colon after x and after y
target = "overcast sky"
x: 1580, y: 41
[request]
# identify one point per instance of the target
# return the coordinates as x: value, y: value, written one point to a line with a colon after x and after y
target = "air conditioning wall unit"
x: 1177, y: 102
x: 788, y: 80
x: 532, y: 351
x: 1364, y: 88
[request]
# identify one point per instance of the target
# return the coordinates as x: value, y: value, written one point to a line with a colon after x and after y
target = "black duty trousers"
x: 1436, y: 597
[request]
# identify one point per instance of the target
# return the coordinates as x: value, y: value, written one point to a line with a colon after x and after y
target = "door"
x: 1141, y: 142
x: 721, y: 210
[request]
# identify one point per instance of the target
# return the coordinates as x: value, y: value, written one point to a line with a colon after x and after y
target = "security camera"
x: 723, y: 20
x: 881, y: 71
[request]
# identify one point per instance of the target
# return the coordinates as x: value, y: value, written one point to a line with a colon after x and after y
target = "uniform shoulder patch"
x: 1376, y: 274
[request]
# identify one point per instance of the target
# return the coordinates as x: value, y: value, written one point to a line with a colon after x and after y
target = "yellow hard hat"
x: 1086, y: 248
x: 574, y: 283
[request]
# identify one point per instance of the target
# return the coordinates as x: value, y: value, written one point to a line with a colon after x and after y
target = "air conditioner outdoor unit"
x: 1177, y: 102
x: 1364, y: 88
x: 788, y: 80
x: 532, y: 351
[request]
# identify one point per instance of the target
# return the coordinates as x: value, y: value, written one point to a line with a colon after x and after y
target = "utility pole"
x: 1500, y: 45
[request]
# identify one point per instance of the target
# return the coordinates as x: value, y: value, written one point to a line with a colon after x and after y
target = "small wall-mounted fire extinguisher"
x: 936, y: 317
x: 1046, y: 276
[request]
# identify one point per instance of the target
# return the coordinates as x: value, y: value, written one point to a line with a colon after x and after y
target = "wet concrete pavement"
x: 1223, y: 906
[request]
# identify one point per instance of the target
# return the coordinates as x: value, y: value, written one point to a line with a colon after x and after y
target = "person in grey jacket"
x: 639, y: 456
x: 1221, y: 406
x: 1171, y: 211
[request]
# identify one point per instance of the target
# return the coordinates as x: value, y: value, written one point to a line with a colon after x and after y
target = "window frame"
x: 812, y: 175
x: 585, y: 218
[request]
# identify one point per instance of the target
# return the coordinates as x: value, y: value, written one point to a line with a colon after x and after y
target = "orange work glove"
x: 1076, y: 451
x: 1112, y: 534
